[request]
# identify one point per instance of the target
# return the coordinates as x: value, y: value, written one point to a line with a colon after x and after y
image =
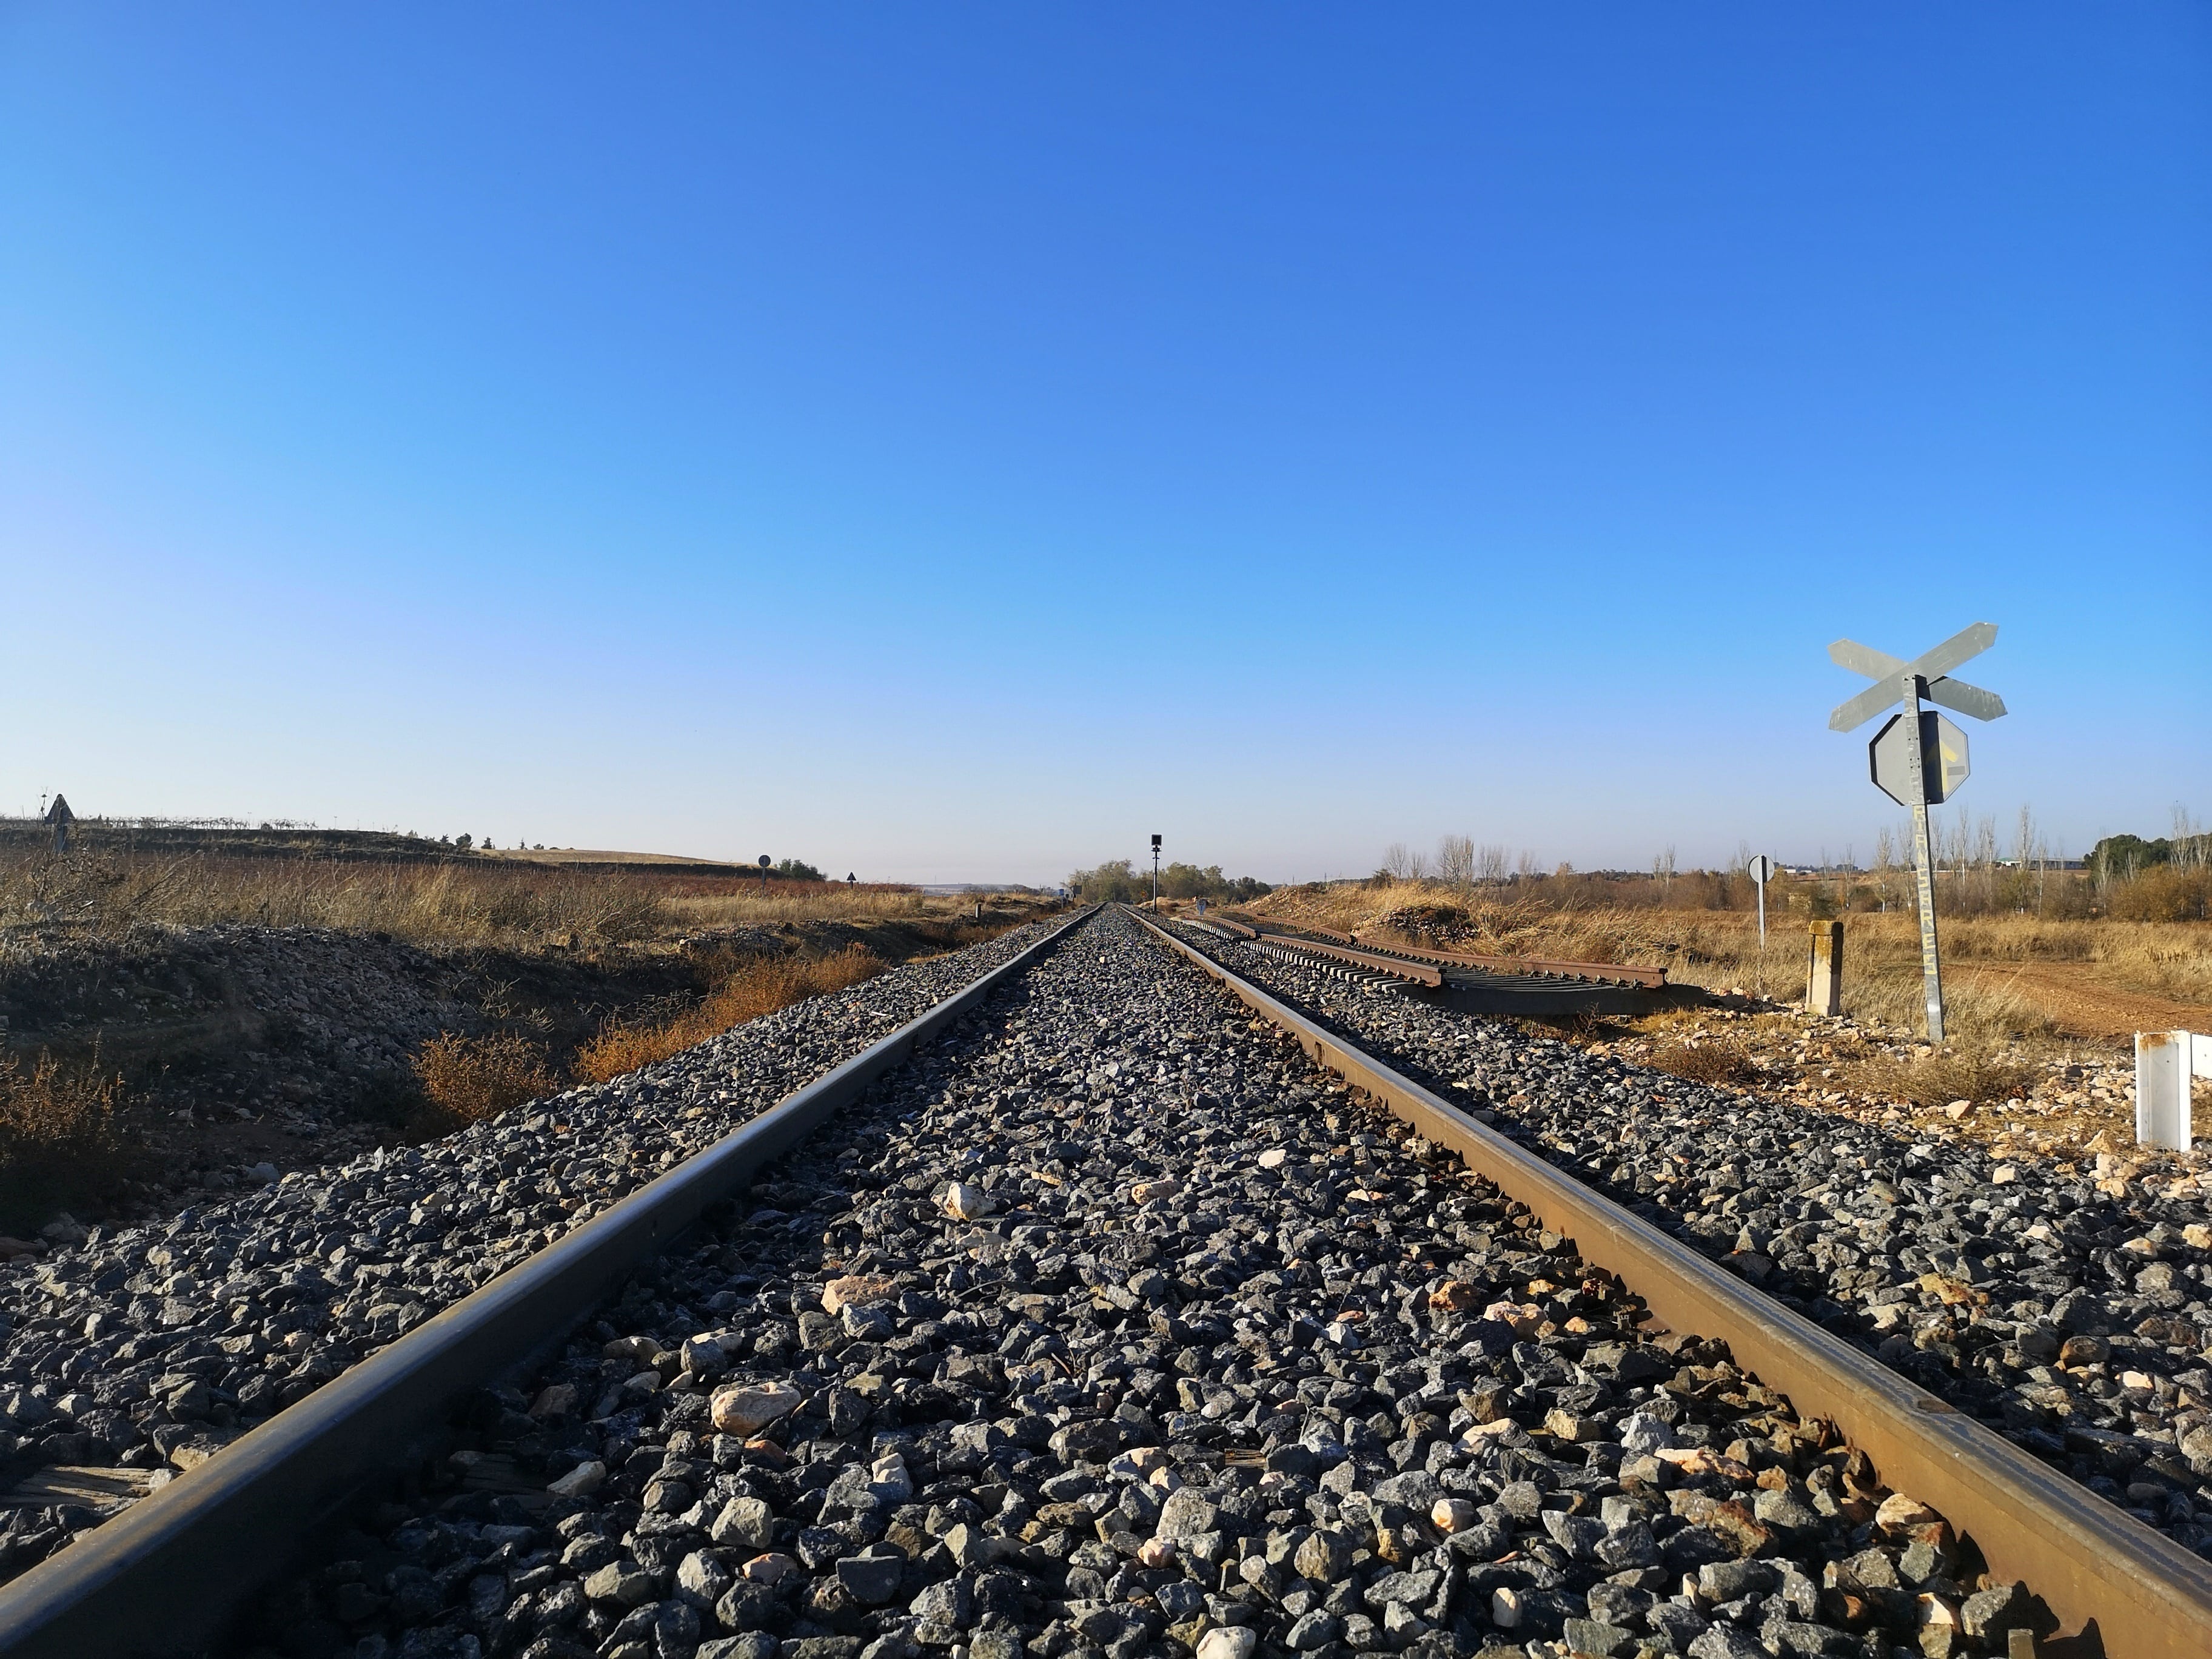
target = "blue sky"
x: 954, y: 443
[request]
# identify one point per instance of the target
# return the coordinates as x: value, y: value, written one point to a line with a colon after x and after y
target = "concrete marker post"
x: 1824, y: 968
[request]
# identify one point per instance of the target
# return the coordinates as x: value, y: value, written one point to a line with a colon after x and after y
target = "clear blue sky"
x: 954, y: 442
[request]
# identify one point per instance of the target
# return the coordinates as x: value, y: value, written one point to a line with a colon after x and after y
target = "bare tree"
x: 1663, y: 872
x: 1525, y: 866
x: 1492, y: 862
x: 1455, y: 861
x: 2192, y: 847
x: 1397, y: 862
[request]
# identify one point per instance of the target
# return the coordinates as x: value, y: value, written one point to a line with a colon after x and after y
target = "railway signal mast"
x: 1918, y: 759
x: 1156, y: 875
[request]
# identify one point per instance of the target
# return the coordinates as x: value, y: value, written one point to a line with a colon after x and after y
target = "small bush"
x: 759, y: 986
x: 1935, y: 1080
x: 58, y: 1140
x: 476, y: 1078
x: 1707, y: 1062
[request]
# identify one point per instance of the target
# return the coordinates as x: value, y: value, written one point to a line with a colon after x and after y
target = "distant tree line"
x: 1120, y: 881
x: 2122, y: 856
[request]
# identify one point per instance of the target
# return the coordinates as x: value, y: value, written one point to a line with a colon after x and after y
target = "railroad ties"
x: 1373, y: 974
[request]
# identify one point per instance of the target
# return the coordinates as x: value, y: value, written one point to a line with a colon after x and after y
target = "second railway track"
x: 1112, y: 1327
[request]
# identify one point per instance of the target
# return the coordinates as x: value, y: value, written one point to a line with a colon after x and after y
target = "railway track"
x: 1110, y: 1309
x: 1519, y: 986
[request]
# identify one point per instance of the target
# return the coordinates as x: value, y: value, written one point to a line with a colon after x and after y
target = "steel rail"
x: 2117, y: 1586
x: 168, y: 1575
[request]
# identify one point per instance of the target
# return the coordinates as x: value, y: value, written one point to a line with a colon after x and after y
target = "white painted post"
x: 2164, y: 1063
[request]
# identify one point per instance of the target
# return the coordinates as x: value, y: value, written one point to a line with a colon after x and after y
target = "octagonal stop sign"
x: 1942, y: 759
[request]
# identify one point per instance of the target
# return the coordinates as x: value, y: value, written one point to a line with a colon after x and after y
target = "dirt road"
x: 2070, y: 993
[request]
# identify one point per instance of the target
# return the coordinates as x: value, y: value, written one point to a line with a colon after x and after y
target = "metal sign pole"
x: 1931, y: 973
x: 1762, y: 913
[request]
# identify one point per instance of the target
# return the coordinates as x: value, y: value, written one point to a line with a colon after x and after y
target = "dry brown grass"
x: 757, y: 987
x: 1931, y: 1080
x: 57, y: 1139
x: 1707, y: 1062
x: 470, y: 1079
x: 490, y: 901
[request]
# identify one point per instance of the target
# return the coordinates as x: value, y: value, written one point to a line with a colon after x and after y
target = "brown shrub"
x: 759, y: 986
x: 1934, y: 1080
x: 1707, y: 1062
x: 2164, y: 892
x: 476, y: 1078
x: 58, y: 1140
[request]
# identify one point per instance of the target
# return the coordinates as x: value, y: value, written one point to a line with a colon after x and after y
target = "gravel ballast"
x: 1112, y: 1327
x: 2072, y: 1318
x: 142, y: 1352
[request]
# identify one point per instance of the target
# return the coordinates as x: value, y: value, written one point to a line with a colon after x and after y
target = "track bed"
x: 1112, y: 1326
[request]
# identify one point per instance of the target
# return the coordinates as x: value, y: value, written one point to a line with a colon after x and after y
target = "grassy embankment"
x: 58, y: 1116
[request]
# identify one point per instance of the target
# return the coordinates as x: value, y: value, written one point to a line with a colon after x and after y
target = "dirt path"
x: 2070, y: 993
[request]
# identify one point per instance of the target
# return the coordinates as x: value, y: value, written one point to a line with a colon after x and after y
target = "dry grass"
x: 57, y: 1139
x: 756, y: 988
x: 1977, y: 1076
x: 1708, y: 1061
x: 492, y: 901
x: 470, y: 1079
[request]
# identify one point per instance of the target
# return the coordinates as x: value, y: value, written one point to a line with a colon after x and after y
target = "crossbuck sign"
x: 1919, y: 759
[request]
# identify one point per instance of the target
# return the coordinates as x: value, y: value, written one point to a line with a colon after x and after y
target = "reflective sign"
x: 1942, y: 759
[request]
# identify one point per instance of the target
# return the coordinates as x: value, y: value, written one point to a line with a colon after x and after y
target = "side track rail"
x: 2124, y: 1589
x: 1418, y: 973
x: 1618, y: 973
x: 163, y: 1577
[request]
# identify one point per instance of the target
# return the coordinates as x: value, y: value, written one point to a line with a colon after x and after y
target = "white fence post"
x: 2165, y: 1063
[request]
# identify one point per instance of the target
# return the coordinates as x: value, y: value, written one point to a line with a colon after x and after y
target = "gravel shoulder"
x: 1110, y: 1328
x: 2070, y: 1314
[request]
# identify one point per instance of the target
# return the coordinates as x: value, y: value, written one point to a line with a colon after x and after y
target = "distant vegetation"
x: 1121, y: 882
x: 107, y: 888
x: 2124, y: 855
x: 2127, y: 878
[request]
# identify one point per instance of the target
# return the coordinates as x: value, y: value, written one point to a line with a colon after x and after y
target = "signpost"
x: 1156, y: 875
x: 1918, y: 758
x: 1761, y: 867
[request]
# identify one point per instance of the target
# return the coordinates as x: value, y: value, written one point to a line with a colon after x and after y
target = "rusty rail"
x: 2116, y: 1586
